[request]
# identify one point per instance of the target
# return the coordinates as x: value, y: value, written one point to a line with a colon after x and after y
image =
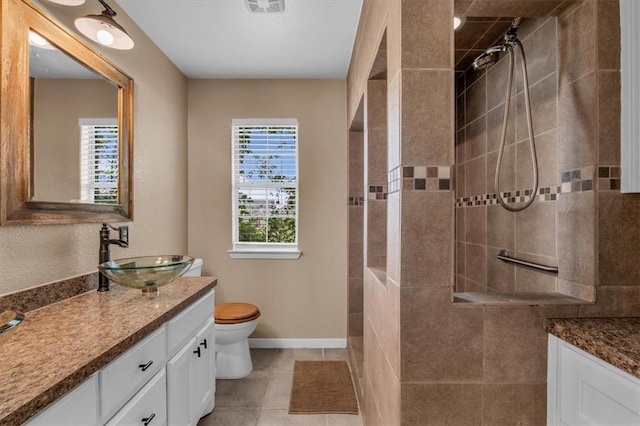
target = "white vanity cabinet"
x: 585, y: 390
x: 190, y: 375
x: 77, y: 408
x: 167, y: 378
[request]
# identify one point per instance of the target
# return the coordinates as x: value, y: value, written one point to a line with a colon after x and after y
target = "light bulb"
x: 458, y: 22
x: 37, y: 39
x: 105, y: 37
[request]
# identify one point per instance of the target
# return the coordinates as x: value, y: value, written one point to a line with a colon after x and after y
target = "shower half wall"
x: 539, y: 233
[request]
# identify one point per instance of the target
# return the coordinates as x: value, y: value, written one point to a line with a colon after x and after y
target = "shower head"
x: 489, y: 57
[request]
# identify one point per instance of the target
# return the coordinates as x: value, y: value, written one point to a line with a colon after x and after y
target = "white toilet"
x: 234, y: 324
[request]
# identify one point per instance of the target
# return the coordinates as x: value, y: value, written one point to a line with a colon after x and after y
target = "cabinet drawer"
x: 126, y: 374
x: 77, y: 408
x: 183, y: 327
x: 148, y: 407
x: 593, y: 392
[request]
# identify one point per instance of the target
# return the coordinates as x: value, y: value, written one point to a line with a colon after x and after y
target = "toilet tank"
x: 195, y: 270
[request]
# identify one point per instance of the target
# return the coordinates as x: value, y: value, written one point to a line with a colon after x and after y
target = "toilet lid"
x: 233, y: 313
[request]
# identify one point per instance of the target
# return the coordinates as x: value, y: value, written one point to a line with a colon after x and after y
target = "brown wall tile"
x: 609, y: 118
x: 502, y: 228
x: 356, y: 178
x: 495, y: 118
x: 515, y: 345
x: 577, y: 237
x: 507, y: 170
x: 444, y: 404
x: 393, y: 236
x: 614, y: 301
x: 376, y: 105
x: 460, y: 223
x: 376, y: 150
x: 377, y: 232
x: 393, y: 115
x: 609, y: 35
x: 577, y: 124
x: 460, y: 257
x: 577, y: 42
x: 355, y: 324
x: 544, y: 106
x: 534, y: 281
x: 475, y: 171
x: 385, y: 385
x: 355, y: 295
x: 427, y: 238
x: 618, y: 239
x: 355, y: 228
x: 476, y: 138
x: 440, y: 342
x: 426, y: 27
x: 541, y: 50
x: 476, y: 264
x: 501, y: 276
x: 536, y: 229
x: 475, y: 100
x: 382, y: 311
x: 476, y: 225
x: 510, y: 404
x: 496, y: 85
x: 427, y: 106
x: 547, y: 154
x: 461, y: 181
x: 356, y: 146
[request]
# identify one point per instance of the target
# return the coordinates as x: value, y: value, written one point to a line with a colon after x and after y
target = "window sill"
x: 264, y: 254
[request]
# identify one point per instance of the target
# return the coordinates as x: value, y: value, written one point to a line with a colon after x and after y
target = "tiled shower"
x: 438, y: 346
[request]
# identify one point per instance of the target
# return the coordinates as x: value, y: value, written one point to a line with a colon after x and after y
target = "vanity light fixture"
x: 68, y: 2
x: 37, y: 40
x: 104, y: 29
x: 458, y: 21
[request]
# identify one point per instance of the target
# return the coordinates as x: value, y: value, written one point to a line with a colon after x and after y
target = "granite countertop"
x: 61, y: 344
x: 614, y: 340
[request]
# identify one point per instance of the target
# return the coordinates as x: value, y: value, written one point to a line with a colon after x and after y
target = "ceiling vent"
x: 265, y: 6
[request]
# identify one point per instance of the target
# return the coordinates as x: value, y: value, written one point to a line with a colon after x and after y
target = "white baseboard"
x: 261, y: 343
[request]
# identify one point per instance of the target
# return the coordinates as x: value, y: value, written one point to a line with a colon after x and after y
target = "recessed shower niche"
x: 544, y: 234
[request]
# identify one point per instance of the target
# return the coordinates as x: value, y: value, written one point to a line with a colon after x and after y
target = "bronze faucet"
x: 104, y: 255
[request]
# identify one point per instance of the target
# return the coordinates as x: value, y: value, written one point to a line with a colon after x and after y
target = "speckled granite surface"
x: 614, y: 340
x: 60, y: 345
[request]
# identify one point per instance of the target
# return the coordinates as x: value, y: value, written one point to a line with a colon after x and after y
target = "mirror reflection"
x: 73, y: 129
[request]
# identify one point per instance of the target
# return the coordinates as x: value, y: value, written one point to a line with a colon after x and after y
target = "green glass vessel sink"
x: 147, y: 273
x: 9, y: 320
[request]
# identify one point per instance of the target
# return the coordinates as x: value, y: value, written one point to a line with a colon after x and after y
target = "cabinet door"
x: 179, y: 392
x: 204, y: 378
x: 147, y: 407
x: 77, y: 408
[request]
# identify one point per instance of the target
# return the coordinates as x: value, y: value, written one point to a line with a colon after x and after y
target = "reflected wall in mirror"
x: 66, y: 116
x: 74, y: 129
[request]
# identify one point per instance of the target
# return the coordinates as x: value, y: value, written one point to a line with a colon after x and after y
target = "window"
x: 99, y: 160
x: 265, y: 189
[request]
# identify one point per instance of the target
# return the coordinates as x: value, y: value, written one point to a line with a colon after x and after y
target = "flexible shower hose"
x: 503, y: 138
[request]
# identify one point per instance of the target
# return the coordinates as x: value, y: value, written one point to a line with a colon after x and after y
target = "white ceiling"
x: 222, y: 39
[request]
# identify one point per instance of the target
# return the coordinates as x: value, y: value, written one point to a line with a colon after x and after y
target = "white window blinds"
x: 265, y: 183
x: 99, y: 160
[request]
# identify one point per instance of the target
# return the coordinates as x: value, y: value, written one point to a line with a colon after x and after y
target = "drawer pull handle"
x: 144, y: 367
x: 197, y: 351
x: 148, y: 420
x: 204, y: 343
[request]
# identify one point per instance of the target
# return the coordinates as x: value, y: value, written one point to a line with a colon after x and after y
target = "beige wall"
x: 304, y: 298
x: 33, y: 255
x: 57, y: 132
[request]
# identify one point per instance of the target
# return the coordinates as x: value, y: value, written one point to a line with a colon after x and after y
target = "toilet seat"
x: 235, y: 313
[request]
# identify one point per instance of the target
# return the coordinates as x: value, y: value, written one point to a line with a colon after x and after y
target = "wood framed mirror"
x: 66, y: 125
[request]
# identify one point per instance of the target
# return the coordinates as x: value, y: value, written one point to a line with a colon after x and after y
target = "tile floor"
x: 262, y: 398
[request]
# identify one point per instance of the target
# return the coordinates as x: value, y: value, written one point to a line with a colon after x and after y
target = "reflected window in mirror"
x: 99, y: 160
x: 63, y: 93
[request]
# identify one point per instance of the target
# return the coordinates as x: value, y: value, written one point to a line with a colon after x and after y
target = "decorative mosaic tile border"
x: 356, y: 201
x: 378, y: 192
x: 609, y: 178
x: 420, y: 178
x: 579, y: 180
